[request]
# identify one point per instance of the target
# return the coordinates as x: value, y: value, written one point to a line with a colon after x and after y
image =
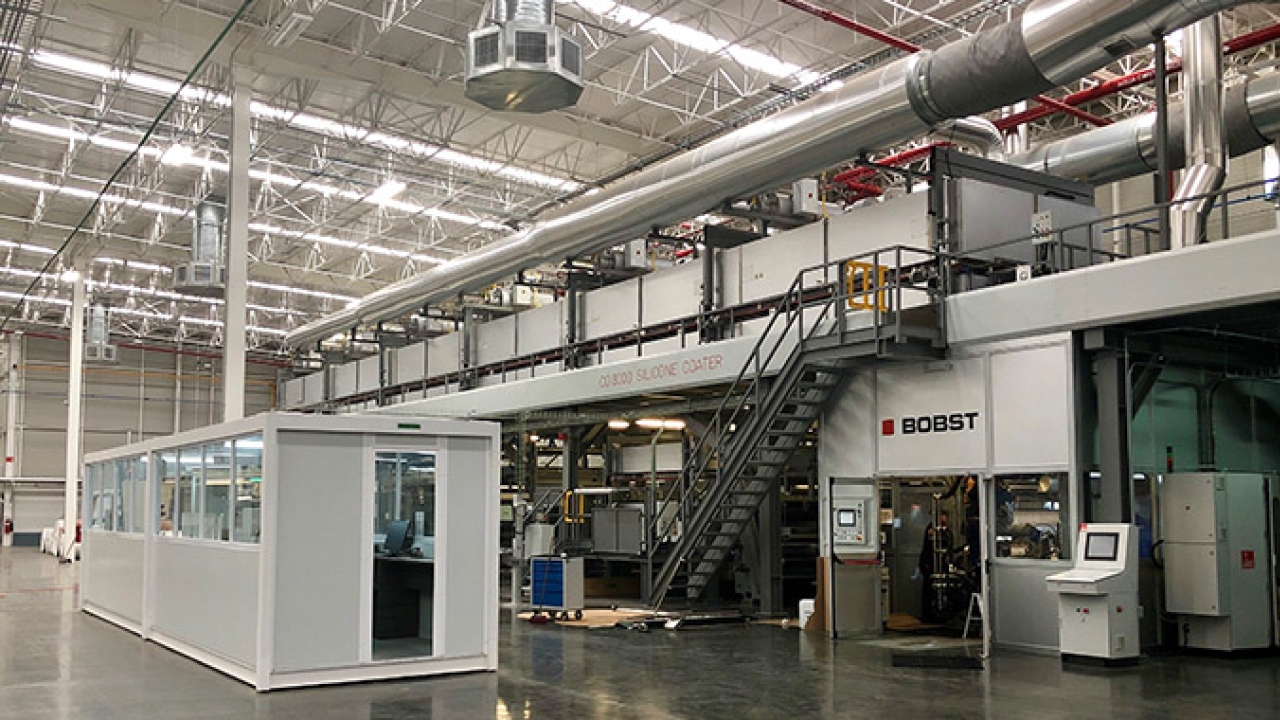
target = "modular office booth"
x: 288, y: 550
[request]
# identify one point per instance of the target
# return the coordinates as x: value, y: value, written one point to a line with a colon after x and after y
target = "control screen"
x: 1101, y: 546
x: 847, y: 518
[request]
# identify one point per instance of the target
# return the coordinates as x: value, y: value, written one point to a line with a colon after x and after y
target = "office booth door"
x: 404, y: 527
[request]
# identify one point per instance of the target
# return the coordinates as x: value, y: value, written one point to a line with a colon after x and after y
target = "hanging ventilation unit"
x: 97, y: 345
x: 205, y: 274
x: 521, y: 62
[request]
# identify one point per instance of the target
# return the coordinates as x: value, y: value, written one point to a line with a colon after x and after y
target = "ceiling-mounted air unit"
x: 206, y: 273
x: 521, y: 62
x: 97, y: 337
x: 291, y: 20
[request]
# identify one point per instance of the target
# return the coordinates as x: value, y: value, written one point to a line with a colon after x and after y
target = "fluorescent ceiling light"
x: 697, y: 39
x: 619, y: 424
x: 306, y: 121
x: 182, y: 156
x: 660, y: 424
x: 46, y: 300
x: 387, y: 191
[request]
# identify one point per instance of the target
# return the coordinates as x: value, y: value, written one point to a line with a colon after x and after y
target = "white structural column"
x: 14, y: 359
x: 75, y: 396
x: 233, y: 362
x: 13, y: 388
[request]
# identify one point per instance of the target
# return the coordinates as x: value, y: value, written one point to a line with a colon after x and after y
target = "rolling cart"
x: 556, y: 587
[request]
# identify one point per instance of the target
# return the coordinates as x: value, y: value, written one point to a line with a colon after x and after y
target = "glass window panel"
x: 216, y: 491
x: 1030, y: 516
x: 138, y: 501
x: 108, y: 495
x: 248, y: 489
x: 405, y: 490
x: 122, y: 492
x: 168, y: 497
x: 92, y: 485
x: 187, y: 504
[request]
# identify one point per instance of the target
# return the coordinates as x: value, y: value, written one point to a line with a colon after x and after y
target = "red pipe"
x: 854, y: 25
x: 1142, y: 77
x: 860, y: 173
x: 887, y: 39
x: 863, y: 190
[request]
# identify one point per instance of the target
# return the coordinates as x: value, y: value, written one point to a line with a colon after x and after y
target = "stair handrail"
x: 832, y: 294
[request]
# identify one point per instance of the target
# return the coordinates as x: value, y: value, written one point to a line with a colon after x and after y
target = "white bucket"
x: 806, y: 611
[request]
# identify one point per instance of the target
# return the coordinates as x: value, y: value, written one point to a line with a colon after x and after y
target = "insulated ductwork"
x: 1206, y: 146
x: 1055, y: 41
x: 1128, y: 148
x: 206, y: 274
x: 521, y: 62
x: 974, y: 132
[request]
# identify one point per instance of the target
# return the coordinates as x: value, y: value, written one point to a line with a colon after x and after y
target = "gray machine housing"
x: 1219, y: 574
x: 855, y: 557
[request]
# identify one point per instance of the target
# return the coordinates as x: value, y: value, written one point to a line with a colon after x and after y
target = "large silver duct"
x: 978, y: 133
x: 1128, y: 148
x: 1054, y: 42
x: 1205, y: 142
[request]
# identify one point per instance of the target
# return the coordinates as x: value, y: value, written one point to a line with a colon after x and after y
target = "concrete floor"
x: 57, y: 663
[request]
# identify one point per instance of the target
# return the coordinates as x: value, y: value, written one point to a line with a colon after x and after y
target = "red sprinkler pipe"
x: 864, y: 190
x: 851, y: 24
x: 861, y: 173
x: 1240, y: 44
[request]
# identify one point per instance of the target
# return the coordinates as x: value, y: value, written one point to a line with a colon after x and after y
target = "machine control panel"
x: 854, y: 517
x: 851, y: 524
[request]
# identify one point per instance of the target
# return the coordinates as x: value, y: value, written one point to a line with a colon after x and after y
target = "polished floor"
x: 57, y: 663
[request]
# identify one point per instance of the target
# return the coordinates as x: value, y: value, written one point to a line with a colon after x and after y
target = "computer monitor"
x: 398, y: 538
x: 1104, y: 546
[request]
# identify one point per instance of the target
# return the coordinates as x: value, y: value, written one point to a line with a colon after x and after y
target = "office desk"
x: 403, y: 593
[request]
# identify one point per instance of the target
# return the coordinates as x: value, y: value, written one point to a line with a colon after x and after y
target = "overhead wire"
x: 124, y: 164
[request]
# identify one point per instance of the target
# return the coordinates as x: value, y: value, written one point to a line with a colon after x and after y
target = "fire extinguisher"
x: 8, y: 526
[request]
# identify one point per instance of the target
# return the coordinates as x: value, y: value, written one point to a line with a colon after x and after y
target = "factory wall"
x: 149, y: 392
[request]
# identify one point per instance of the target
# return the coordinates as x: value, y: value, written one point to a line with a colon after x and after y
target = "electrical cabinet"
x: 1217, y: 559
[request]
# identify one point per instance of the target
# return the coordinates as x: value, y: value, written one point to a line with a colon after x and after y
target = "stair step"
x: 786, y: 433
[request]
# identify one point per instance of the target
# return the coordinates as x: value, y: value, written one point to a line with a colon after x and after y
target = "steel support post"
x: 1162, y: 139
x: 75, y: 396
x: 237, y: 293
x: 1111, y: 380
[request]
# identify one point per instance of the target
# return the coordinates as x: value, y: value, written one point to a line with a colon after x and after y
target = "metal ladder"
x: 817, y: 332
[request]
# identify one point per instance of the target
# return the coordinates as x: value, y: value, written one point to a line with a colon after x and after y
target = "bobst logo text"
x: 930, y: 424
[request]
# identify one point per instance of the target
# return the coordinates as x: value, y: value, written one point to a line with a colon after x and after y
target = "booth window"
x: 130, y: 478
x: 188, y: 506
x: 406, y: 491
x: 168, y: 498
x: 115, y: 494
x: 99, y: 503
x: 1031, y: 515
x: 216, y: 491
x: 247, y: 461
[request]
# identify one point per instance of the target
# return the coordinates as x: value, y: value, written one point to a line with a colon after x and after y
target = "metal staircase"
x: 883, y: 306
